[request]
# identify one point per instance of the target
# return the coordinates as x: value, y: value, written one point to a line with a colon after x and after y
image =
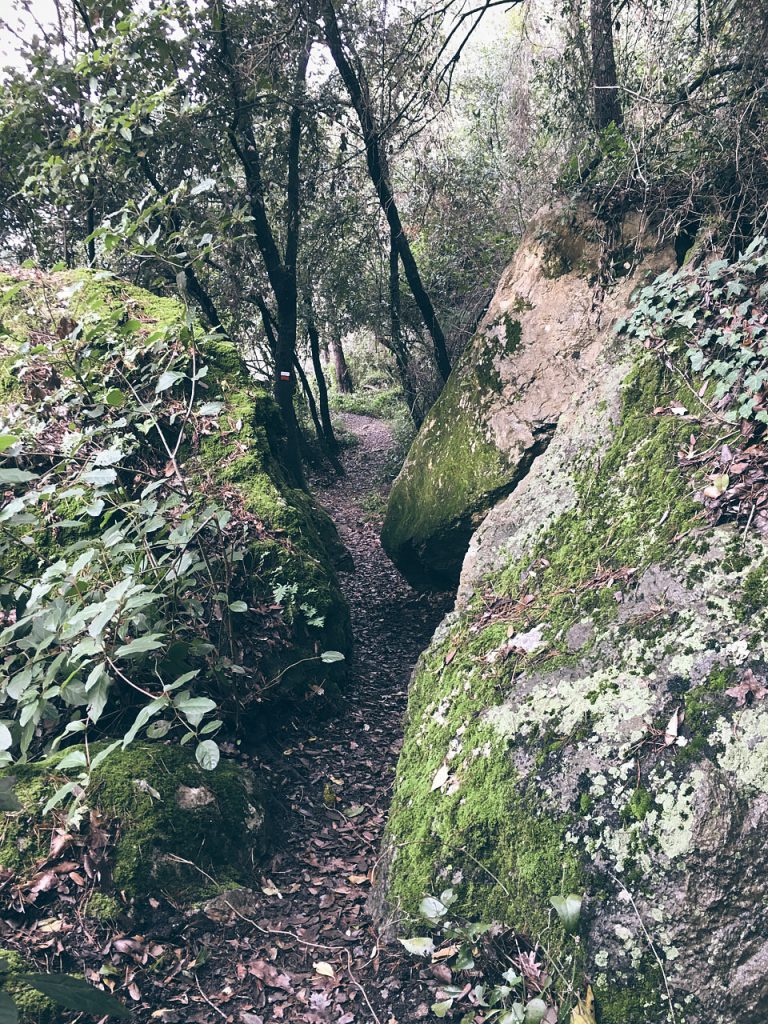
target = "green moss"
x: 509, y: 848
x: 454, y: 469
x: 754, y: 596
x: 638, y: 805
x: 632, y: 511
x: 152, y: 836
x: 33, y: 1007
x: 639, y: 999
x: 102, y: 907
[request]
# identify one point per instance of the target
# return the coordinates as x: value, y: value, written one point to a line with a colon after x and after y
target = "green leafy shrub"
x: 128, y: 576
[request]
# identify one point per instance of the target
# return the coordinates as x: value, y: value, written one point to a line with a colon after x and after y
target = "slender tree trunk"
x: 604, y: 80
x: 311, y: 403
x: 341, y: 370
x: 269, y: 327
x: 357, y: 86
x: 398, y: 345
x: 281, y: 270
x: 330, y: 453
x: 322, y: 389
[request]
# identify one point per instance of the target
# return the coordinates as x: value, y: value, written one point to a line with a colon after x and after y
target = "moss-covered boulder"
x: 59, y: 330
x: 593, y: 716
x: 529, y: 362
x: 164, y: 825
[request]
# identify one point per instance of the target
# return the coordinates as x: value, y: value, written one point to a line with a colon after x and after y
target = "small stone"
x: 189, y: 798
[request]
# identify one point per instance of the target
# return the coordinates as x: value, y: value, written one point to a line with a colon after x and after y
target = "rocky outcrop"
x: 161, y: 580
x: 534, y: 354
x: 592, y: 716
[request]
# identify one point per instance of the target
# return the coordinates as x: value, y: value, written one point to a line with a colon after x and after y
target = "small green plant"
x: 127, y: 581
x: 513, y: 983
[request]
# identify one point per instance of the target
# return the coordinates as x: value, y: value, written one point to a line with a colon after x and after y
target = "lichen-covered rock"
x: 173, y: 828
x: 593, y: 716
x: 531, y: 359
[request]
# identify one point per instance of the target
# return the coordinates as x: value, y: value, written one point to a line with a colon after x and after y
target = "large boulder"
x: 591, y: 718
x: 534, y: 353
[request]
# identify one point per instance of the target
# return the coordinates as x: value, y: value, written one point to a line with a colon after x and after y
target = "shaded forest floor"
x: 298, y: 945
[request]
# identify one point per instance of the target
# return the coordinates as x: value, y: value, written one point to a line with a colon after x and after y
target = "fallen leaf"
x: 441, y: 777
x: 584, y: 1013
x: 325, y: 969
x: 750, y: 685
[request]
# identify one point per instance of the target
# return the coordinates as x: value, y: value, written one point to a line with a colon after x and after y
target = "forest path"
x: 326, y: 856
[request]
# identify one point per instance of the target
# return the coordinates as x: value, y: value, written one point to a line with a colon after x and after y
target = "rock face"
x: 592, y: 717
x: 534, y: 353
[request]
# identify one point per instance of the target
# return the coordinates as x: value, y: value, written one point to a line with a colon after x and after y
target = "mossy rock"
x: 576, y: 723
x: 33, y: 1006
x: 293, y: 541
x: 530, y: 362
x: 177, y: 830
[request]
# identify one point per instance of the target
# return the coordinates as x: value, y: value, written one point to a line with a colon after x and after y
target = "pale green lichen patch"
x: 744, y: 754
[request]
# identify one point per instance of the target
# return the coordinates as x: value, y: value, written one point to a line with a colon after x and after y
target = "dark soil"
x: 301, y: 946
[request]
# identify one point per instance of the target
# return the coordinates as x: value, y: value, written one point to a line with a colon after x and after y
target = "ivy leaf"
x: 238, y: 606
x: 431, y: 909
x: 568, y: 909
x: 535, y: 1011
x: 441, y: 1009
x: 167, y: 380
x: 418, y: 946
x: 329, y: 657
x: 207, y: 755
x: 115, y: 398
x: 75, y: 994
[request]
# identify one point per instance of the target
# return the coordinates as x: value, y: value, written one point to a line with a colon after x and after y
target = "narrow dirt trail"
x: 335, y: 778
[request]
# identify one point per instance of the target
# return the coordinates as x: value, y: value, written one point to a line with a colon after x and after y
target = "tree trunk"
x: 604, y: 81
x: 285, y: 381
x: 281, y: 270
x: 398, y: 345
x: 311, y: 403
x: 357, y: 86
x: 322, y: 389
x: 341, y: 370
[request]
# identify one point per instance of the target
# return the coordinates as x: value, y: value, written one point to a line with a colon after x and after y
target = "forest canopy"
x: 303, y: 170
